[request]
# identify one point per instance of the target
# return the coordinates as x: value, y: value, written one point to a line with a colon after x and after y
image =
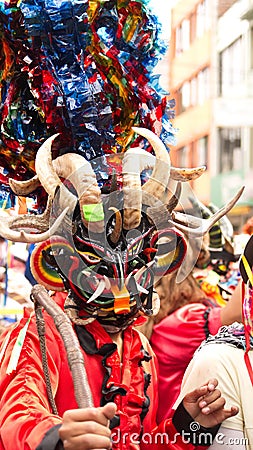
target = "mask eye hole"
x: 90, y: 258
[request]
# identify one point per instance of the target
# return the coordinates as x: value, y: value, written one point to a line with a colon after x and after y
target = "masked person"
x: 79, y: 70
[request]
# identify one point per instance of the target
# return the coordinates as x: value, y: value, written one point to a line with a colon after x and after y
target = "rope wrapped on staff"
x: 83, y: 393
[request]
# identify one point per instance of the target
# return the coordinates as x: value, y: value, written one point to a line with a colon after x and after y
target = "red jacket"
x: 174, y: 341
x: 25, y: 414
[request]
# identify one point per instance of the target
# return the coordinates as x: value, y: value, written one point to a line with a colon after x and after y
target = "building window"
x: 202, y: 151
x: 194, y: 91
x: 183, y: 98
x: 178, y: 40
x: 182, y: 36
x: 231, y: 157
x: 186, y: 95
x: 203, y: 18
x: 182, y: 157
x: 231, y: 68
x: 203, y: 85
x: 193, y: 26
x: 186, y: 34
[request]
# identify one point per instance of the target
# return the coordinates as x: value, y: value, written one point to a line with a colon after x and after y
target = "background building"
x: 210, y: 65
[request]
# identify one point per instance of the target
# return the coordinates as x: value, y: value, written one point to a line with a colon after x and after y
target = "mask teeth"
x: 155, y: 303
x: 98, y: 291
x: 86, y: 273
x: 107, y: 283
x: 147, y: 309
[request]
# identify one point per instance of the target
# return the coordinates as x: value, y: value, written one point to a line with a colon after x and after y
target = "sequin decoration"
x: 83, y: 69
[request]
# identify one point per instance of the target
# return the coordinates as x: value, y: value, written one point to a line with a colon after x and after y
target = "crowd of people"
x: 127, y: 344
x: 139, y: 371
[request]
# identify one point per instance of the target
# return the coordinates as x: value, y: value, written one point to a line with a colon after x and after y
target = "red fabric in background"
x: 174, y: 341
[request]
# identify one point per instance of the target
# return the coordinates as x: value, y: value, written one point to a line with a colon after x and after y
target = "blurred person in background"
x: 191, y: 310
x: 186, y: 318
x: 230, y: 355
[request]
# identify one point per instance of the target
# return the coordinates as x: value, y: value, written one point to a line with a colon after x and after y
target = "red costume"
x: 25, y: 412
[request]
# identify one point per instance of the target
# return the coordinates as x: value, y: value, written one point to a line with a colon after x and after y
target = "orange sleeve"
x: 24, y: 410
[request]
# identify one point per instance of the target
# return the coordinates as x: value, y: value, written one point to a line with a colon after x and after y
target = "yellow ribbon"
x: 247, y: 269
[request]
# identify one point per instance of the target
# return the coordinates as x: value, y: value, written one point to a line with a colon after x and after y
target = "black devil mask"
x: 109, y: 229
x: 113, y: 243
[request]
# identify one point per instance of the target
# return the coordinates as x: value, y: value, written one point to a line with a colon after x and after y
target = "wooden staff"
x: 75, y: 357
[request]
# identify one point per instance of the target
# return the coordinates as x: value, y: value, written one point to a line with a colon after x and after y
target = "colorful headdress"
x: 80, y: 118
x: 80, y: 69
x: 85, y: 130
x: 221, y: 235
x: 219, y: 278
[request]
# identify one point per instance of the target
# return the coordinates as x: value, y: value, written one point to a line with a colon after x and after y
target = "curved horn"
x: 39, y: 222
x: 197, y: 227
x: 216, y: 239
x: 159, y: 178
x: 115, y: 234
x: 44, y: 166
x: 24, y: 187
x: 173, y: 201
x: 131, y: 169
x: 226, y: 229
x: 134, y: 162
x: 21, y: 236
x: 161, y: 213
x: 184, y: 174
x: 79, y: 172
x: 48, y: 177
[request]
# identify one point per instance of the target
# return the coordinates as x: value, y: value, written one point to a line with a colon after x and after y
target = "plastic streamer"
x: 81, y: 69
